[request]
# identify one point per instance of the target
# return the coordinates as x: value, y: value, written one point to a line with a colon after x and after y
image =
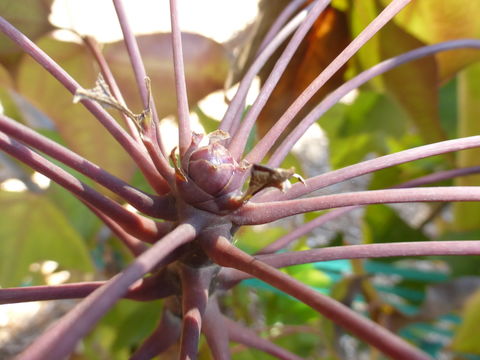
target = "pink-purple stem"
x: 230, y: 277
x: 232, y: 117
x: 184, y: 132
x: 151, y: 288
x: 138, y: 68
x: 260, y: 150
x: 261, y: 213
x: 134, y: 224
x: 225, y: 254
x: 284, y: 241
x: 60, y: 340
x: 195, y: 284
x: 239, y: 139
x: 123, y: 138
x: 238, y: 142
x: 158, y: 206
x: 368, y: 166
x: 279, y: 22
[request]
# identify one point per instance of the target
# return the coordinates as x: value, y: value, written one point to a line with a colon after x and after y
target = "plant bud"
x: 210, y: 178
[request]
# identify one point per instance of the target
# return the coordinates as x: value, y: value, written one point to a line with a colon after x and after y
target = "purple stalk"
x: 245, y: 336
x: 239, y: 140
x: 184, y: 132
x: 232, y: 117
x: 264, y: 145
x: 123, y: 138
x: 214, y: 330
x: 138, y: 67
x: 147, y: 289
x: 161, y: 164
x: 230, y: 277
x: 284, y: 241
x: 195, y: 283
x: 164, y: 336
x: 365, y: 167
x: 107, y: 74
x: 372, y: 28
x: 41, y: 293
x: 420, y: 248
x: 159, y: 206
x: 281, y: 20
x: 60, y: 340
x: 261, y: 213
x: 305, y: 228
x: 133, y: 223
x: 225, y: 254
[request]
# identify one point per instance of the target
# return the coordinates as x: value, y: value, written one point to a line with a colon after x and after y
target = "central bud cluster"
x: 209, y: 177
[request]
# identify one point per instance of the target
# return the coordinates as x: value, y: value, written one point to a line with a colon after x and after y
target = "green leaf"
x: 433, y: 21
x: 137, y: 325
x: 252, y: 239
x: 362, y: 13
x: 414, y: 85
x: 79, y: 129
x: 76, y: 213
x: 208, y: 123
x: 385, y: 226
x: 466, y: 214
x: 32, y: 229
x: 30, y: 17
x: 466, y: 337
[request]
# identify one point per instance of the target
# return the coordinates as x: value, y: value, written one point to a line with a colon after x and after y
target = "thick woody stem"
x: 195, y: 283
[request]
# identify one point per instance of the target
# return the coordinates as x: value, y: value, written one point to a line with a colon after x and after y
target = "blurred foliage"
x: 428, y: 100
